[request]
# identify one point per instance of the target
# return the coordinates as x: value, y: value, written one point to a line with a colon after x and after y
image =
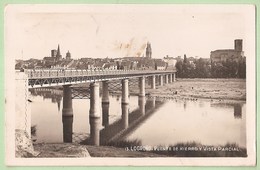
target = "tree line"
x: 201, y: 68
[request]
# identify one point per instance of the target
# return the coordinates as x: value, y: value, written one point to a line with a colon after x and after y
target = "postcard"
x: 130, y: 84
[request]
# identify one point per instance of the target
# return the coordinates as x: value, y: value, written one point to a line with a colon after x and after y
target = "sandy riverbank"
x: 213, y: 89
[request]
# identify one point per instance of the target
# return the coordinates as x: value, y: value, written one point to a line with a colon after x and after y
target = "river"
x: 151, y: 121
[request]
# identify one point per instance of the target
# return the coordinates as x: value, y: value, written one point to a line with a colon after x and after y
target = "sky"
x: 99, y: 31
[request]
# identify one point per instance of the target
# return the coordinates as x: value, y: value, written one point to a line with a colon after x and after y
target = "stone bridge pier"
x: 166, y: 78
x: 67, y: 109
x: 173, y: 77
x: 141, y: 86
x: 67, y: 114
x: 160, y: 80
x: 125, y: 102
x: 94, y: 114
x: 170, y: 78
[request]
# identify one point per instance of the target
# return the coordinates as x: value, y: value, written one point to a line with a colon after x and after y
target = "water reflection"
x: 129, y: 122
x: 141, y: 104
x: 49, y: 93
x: 152, y: 122
x: 236, y: 106
x: 203, y: 122
x: 185, y: 105
x: 67, y: 122
x: 125, y: 113
x: 105, y: 114
x: 117, y: 97
x: 150, y: 103
x: 238, y: 111
x: 94, y: 131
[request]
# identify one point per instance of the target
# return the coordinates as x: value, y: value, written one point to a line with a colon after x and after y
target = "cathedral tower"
x: 148, y: 50
x: 58, y: 56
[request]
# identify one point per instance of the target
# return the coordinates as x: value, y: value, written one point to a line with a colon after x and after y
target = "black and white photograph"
x: 160, y: 84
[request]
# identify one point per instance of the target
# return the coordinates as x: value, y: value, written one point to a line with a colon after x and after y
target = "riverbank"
x: 66, y: 150
x: 194, y: 89
x: 221, y: 89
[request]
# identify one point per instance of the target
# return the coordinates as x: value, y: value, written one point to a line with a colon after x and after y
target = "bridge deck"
x: 46, y: 78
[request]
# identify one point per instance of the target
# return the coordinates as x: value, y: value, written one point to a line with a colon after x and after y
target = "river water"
x: 151, y: 121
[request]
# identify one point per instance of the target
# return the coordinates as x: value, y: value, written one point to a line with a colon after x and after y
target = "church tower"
x: 58, y: 56
x: 239, y: 45
x: 68, y: 55
x: 148, y: 50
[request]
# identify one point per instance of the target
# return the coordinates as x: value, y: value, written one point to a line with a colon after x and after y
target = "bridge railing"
x: 45, y: 73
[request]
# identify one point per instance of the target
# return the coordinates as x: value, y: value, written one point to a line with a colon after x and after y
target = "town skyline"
x: 114, y: 31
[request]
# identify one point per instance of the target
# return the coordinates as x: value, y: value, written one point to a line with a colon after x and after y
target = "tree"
x: 202, y: 69
x: 179, y: 68
x: 242, y: 69
x: 185, y: 59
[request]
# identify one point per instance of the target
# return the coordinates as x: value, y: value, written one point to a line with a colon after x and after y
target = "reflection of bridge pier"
x: 67, y: 114
x: 125, y: 115
x: 141, y: 104
x: 117, y: 130
x: 94, y: 131
x: 105, y: 114
x: 238, y: 111
x: 105, y: 103
x: 153, y: 102
x: 67, y: 122
x: 150, y: 103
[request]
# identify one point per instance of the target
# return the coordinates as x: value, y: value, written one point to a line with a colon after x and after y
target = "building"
x: 68, y: 56
x: 236, y: 54
x: 171, y: 62
x: 148, y: 50
x: 124, y: 65
x: 55, y: 54
x: 160, y: 64
x: 99, y: 65
x: 110, y: 66
x: 146, y: 64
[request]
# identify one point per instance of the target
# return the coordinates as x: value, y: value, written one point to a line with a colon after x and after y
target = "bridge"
x: 67, y: 78
x: 54, y: 77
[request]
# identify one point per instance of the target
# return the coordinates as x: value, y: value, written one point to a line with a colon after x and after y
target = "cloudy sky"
x: 31, y: 31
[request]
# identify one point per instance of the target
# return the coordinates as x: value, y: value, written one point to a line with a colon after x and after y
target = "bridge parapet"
x: 54, y: 73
